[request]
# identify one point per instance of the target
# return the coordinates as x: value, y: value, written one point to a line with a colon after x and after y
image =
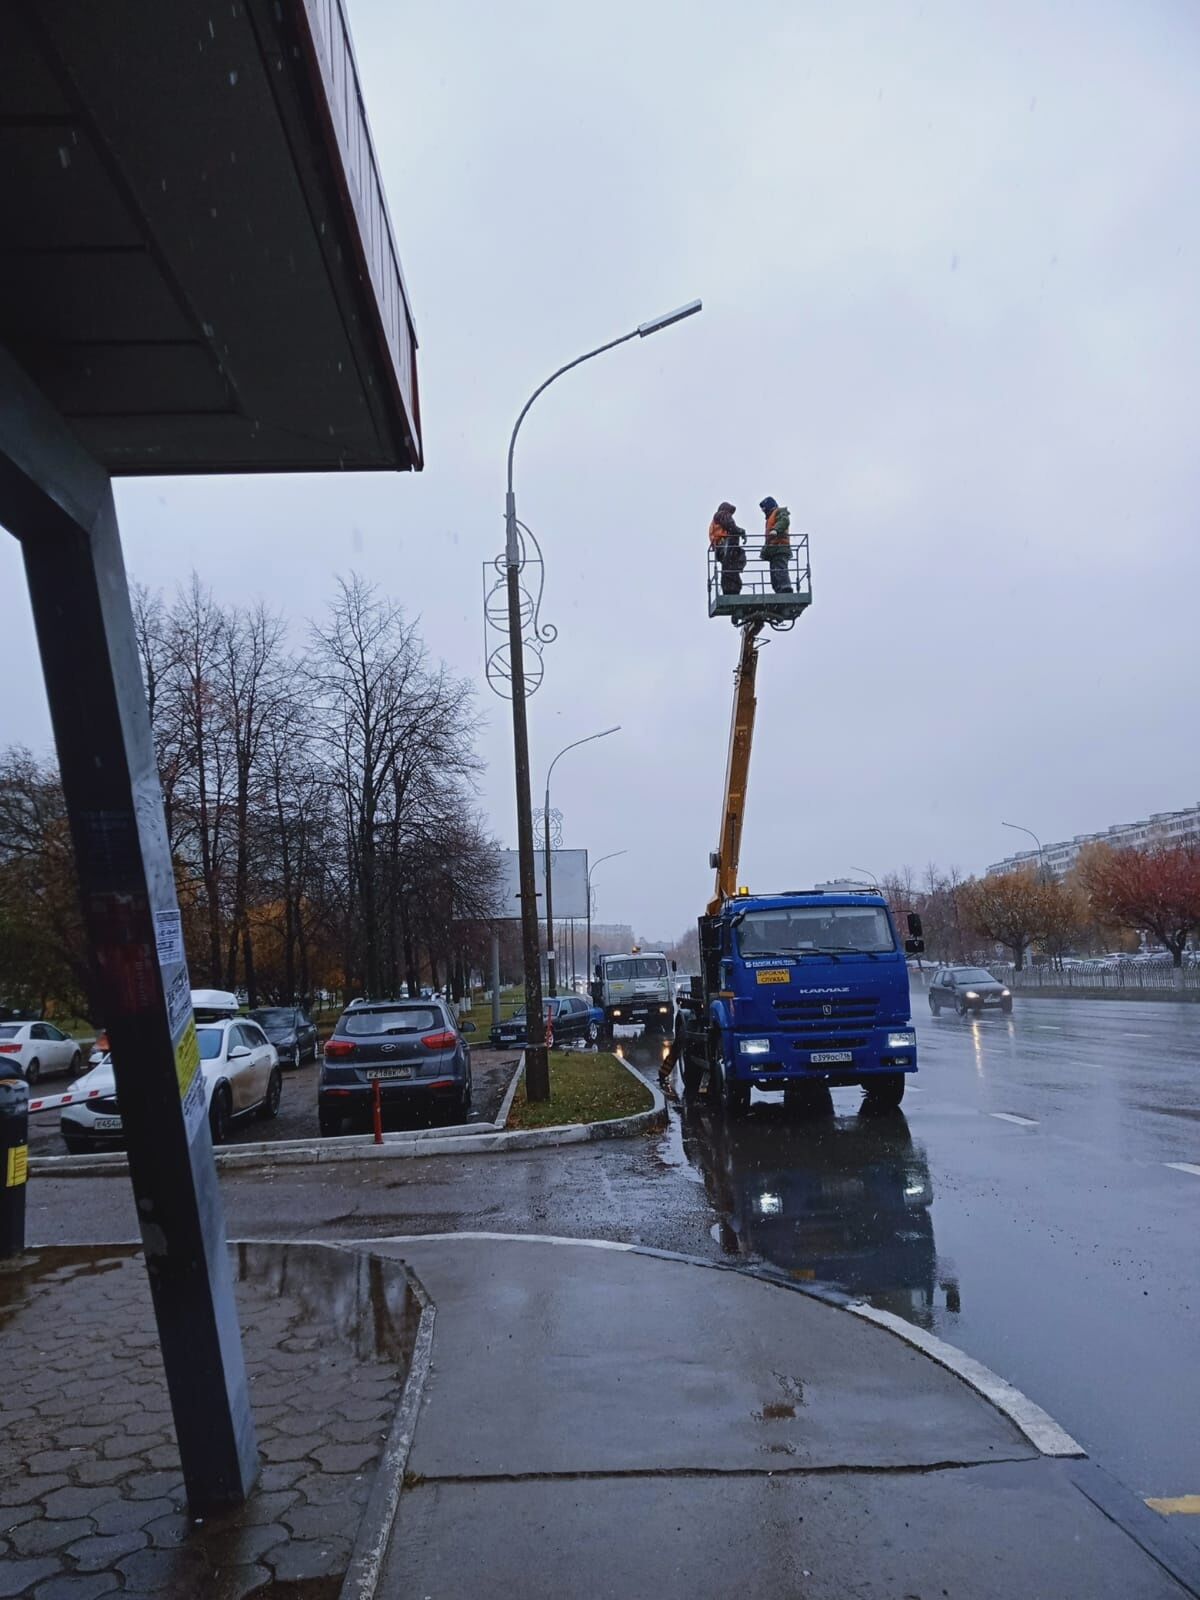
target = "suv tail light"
x: 439, y: 1041
x: 339, y: 1049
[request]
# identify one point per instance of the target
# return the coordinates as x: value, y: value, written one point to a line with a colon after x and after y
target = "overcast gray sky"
x: 949, y: 258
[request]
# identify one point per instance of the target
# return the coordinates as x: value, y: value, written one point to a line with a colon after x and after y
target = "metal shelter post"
x: 57, y: 500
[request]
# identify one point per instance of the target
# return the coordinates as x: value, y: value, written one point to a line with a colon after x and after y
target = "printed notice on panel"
x: 168, y: 937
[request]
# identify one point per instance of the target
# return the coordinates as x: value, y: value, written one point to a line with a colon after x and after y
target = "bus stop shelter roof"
x: 197, y: 265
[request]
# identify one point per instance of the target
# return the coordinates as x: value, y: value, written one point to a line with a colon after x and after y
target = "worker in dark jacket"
x: 725, y: 537
x: 777, y: 546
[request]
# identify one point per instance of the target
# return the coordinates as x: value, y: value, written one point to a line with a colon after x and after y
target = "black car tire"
x: 220, y: 1114
x: 77, y: 1147
x: 935, y: 1006
x: 269, y: 1109
x: 329, y: 1123
x: 884, y: 1093
x: 76, y: 1063
x: 960, y: 1006
x: 593, y: 1032
x: 1006, y: 1007
x: 33, y: 1071
x: 464, y: 1105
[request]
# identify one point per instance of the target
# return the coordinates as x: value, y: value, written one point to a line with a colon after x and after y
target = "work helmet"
x: 768, y: 504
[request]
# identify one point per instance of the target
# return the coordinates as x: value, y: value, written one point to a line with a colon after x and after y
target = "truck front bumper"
x: 776, y: 1058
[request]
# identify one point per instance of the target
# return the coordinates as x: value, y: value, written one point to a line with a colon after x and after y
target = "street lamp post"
x: 537, y: 1067
x: 869, y: 874
x: 612, y: 856
x: 550, y: 961
x: 1021, y: 828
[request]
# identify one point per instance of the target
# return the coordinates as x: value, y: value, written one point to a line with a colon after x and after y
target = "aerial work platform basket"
x: 758, y: 594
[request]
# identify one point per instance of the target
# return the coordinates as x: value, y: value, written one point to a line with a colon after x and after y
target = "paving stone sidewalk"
x: 91, y: 1495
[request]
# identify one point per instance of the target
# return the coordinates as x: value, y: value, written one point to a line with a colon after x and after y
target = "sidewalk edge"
x: 379, y: 1514
x: 1047, y: 1437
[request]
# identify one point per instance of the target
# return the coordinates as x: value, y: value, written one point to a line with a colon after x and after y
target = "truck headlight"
x: 902, y: 1041
x: 616, y: 1011
x: 664, y: 1009
x: 753, y: 1047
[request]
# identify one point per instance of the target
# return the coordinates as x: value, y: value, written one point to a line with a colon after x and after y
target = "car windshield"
x: 791, y: 930
x: 211, y: 1040
x: 404, y: 1019
x: 637, y: 967
x: 972, y: 975
x: 280, y: 1019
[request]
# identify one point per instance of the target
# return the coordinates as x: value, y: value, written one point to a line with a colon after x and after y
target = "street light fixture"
x: 537, y: 1067
x: 550, y: 963
x: 868, y: 872
x: 612, y: 856
x: 1021, y: 828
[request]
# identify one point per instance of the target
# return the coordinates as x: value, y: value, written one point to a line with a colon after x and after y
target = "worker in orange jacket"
x: 725, y: 537
x: 777, y: 546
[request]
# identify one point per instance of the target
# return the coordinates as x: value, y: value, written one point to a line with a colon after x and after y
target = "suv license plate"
x: 389, y: 1072
x: 107, y: 1124
x: 820, y: 1057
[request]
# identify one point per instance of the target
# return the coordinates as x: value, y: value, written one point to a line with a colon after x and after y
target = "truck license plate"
x: 107, y: 1124
x: 389, y: 1072
x: 820, y: 1057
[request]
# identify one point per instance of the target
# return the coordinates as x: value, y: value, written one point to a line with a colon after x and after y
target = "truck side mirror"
x: 914, y: 925
x: 914, y: 947
x: 674, y: 966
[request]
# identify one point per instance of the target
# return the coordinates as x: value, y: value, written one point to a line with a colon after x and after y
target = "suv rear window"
x: 361, y: 1024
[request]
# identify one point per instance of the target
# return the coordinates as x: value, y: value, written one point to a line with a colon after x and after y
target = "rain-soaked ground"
x: 1033, y: 1204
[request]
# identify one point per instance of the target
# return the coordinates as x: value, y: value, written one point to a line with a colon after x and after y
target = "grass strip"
x: 585, y: 1086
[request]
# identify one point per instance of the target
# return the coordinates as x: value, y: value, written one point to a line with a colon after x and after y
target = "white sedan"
x: 37, y: 1049
x: 238, y: 1065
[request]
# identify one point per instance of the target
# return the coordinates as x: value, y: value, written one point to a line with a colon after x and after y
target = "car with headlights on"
x: 239, y: 1070
x: 968, y: 990
x: 291, y: 1031
x: 414, y: 1050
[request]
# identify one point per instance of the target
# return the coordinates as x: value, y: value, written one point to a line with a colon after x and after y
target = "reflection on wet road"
x: 841, y: 1200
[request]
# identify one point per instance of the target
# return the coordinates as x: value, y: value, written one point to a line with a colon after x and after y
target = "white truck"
x: 636, y: 990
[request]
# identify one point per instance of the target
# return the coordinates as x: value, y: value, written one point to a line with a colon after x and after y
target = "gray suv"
x: 967, y: 990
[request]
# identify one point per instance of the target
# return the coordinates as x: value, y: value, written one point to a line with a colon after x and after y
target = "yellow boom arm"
x: 737, y: 770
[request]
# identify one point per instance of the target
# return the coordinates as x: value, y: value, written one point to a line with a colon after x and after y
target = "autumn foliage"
x: 1157, y: 889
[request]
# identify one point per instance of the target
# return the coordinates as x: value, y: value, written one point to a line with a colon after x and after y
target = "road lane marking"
x: 1009, y: 1116
x: 1137, y: 1036
x: 1184, y: 1166
x: 1179, y: 1505
x: 1048, y: 1027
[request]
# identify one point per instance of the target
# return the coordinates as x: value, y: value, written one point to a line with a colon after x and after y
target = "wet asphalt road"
x: 1023, y: 1207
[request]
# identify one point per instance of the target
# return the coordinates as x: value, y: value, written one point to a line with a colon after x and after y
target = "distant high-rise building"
x: 1163, y: 827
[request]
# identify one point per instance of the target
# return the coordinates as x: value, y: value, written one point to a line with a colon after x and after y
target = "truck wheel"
x: 883, y: 1092
x: 733, y: 1097
x: 692, y: 1072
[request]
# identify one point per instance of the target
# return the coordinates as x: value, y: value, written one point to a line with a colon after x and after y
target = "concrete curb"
x: 510, y: 1094
x: 491, y: 1138
x: 379, y: 1513
x: 1046, y: 1436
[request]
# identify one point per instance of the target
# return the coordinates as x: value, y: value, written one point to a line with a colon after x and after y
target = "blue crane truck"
x: 801, y: 991
x: 804, y: 990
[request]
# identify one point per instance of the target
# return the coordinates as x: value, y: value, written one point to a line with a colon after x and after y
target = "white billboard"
x: 568, y: 878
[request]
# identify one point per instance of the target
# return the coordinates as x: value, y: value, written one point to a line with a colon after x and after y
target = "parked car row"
x: 571, y: 1017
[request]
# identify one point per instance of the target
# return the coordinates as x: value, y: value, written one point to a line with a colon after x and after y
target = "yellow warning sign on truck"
x: 773, y: 975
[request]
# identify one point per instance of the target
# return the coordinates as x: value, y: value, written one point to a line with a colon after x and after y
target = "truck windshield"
x: 636, y: 967
x: 791, y: 930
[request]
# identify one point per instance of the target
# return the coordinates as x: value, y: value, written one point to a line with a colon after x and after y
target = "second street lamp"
x: 612, y: 856
x: 550, y: 962
x: 537, y: 1066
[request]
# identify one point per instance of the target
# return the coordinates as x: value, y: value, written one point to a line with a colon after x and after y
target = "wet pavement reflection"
x: 836, y: 1199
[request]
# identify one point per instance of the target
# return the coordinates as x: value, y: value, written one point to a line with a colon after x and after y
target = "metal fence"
x: 1128, y: 977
